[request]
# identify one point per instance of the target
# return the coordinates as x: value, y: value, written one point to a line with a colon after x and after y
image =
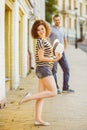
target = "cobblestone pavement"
x: 64, y: 112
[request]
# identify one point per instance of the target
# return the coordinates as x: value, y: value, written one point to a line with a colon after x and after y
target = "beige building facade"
x: 74, y: 17
x: 16, y: 47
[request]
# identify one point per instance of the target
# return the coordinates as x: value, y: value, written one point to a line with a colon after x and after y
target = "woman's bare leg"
x: 49, y: 85
x: 39, y: 104
x: 47, y: 88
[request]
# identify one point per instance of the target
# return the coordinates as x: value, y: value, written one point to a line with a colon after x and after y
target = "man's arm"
x: 65, y: 43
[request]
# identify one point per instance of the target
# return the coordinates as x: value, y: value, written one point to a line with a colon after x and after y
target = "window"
x: 63, y: 4
x: 80, y: 9
x: 69, y: 23
x: 75, y: 24
x: 86, y: 9
x: 69, y: 4
x: 63, y: 20
x: 74, y: 4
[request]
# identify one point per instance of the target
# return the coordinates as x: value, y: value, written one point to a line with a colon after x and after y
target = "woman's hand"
x: 57, y: 57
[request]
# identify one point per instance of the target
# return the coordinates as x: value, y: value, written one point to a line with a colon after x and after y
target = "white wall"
x: 24, y: 46
x: 2, y: 51
x: 15, y: 49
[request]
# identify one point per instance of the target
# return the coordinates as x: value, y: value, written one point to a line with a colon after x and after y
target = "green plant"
x: 51, y: 9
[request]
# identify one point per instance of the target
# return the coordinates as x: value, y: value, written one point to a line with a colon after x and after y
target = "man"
x: 58, y: 32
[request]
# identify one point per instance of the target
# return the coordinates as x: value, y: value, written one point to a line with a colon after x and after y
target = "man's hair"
x: 56, y: 15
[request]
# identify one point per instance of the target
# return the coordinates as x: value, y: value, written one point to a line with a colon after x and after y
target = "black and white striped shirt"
x: 48, y: 52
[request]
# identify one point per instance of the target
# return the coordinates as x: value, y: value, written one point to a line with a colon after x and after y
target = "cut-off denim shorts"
x: 43, y: 71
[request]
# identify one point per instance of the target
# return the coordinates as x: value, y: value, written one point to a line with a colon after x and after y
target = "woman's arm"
x: 47, y: 59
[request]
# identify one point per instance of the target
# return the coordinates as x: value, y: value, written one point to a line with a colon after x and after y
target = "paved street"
x: 64, y: 112
x: 82, y: 45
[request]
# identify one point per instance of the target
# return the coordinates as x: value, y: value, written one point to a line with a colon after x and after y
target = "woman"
x: 44, y: 63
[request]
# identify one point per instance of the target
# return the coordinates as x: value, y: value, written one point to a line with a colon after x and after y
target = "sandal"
x: 25, y: 96
x: 41, y: 124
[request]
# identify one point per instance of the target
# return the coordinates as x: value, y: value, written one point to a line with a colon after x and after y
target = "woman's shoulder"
x: 40, y: 43
x: 41, y: 40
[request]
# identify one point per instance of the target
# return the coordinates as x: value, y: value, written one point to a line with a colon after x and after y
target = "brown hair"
x: 56, y: 15
x: 35, y: 26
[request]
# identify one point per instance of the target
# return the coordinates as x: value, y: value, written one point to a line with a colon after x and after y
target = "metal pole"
x: 76, y: 45
x: 67, y: 26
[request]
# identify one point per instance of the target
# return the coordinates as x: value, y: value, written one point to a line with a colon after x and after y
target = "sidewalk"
x: 83, y: 45
x: 64, y: 112
x: 80, y: 44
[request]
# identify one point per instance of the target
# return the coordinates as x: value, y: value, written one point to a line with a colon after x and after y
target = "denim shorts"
x: 43, y: 71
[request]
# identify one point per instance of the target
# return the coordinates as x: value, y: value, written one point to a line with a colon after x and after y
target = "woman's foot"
x: 3, y: 103
x: 41, y: 123
x: 25, y: 98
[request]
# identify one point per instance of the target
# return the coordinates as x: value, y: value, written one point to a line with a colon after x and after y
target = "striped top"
x: 48, y: 52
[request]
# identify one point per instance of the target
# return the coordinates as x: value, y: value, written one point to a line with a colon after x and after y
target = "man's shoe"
x: 68, y: 91
x: 58, y: 91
